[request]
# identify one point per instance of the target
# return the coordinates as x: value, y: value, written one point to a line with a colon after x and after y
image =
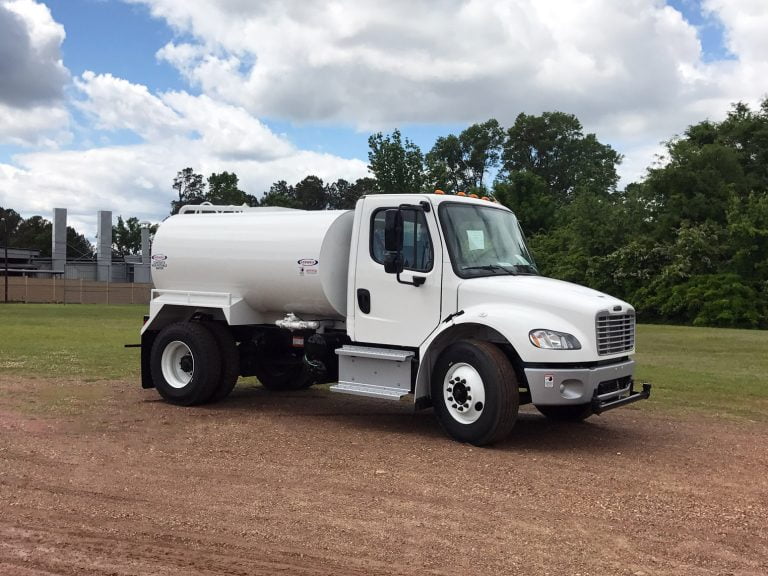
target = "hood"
x: 555, y: 296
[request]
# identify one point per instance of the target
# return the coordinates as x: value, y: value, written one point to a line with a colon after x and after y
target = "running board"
x: 374, y: 372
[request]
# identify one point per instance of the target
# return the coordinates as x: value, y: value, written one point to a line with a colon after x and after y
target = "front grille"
x: 615, y: 333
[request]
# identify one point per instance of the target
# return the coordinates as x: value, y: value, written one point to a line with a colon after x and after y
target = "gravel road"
x: 103, y: 478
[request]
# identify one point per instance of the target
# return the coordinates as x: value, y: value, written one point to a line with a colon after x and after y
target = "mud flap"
x: 147, y: 340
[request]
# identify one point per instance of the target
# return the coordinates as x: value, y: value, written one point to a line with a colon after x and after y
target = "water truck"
x: 425, y: 298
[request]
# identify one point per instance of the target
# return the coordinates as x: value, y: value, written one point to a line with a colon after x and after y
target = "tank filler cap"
x: 293, y: 322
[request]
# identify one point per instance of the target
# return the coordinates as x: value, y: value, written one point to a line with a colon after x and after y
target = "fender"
x: 167, y: 306
x: 502, y: 324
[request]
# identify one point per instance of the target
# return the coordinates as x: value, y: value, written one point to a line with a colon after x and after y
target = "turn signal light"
x: 460, y: 194
x: 473, y: 196
x: 439, y: 192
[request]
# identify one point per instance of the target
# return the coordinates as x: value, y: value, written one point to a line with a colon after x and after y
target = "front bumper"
x: 604, y: 387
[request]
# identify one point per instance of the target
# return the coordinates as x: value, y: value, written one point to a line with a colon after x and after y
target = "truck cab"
x: 442, y: 305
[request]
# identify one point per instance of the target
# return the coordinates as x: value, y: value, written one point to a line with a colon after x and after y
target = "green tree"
x: 78, y: 246
x: 35, y: 233
x: 460, y: 163
x: 223, y: 189
x: 343, y: 195
x: 190, y: 189
x: 280, y: 194
x: 554, y: 147
x: 398, y: 166
x: 529, y: 197
x: 12, y: 220
x: 310, y: 194
x: 445, y: 166
x: 126, y: 236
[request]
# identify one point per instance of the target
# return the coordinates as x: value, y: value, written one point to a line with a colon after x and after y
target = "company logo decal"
x: 159, y: 261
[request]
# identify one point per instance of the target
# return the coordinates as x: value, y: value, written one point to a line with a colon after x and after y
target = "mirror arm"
x: 417, y: 280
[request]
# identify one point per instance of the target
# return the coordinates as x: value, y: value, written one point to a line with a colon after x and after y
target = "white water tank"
x: 277, y: 260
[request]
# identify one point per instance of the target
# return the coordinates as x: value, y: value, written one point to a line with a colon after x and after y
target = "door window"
x: 417, y: 245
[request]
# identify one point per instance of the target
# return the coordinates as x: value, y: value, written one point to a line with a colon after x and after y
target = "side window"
x: 417, y: 245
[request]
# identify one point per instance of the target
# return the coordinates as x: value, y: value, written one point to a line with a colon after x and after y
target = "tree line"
x: 35, y: 233
x: 688, y: 244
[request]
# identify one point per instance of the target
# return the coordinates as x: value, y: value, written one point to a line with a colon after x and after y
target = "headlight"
x: 551, y: 340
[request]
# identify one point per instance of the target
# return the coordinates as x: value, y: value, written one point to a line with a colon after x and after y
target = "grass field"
x: 714, y: 371
x: 70, y: 341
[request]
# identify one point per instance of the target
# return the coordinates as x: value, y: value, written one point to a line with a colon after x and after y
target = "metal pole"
x: 5, y: 228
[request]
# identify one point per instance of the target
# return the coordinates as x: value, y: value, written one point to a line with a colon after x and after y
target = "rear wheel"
x: 568, y: 413
x: 185, y: 363
x: 230, y: 360
x: 475, y: 392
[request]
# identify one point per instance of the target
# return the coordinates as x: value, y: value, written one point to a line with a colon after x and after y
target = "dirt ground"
x: 102, y: 478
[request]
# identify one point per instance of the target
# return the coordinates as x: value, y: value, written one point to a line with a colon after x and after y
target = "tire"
x: 230, y: 360
x: 185, y: 363
x: 289, y: 375
x: 567, y: 413
x: 488, y: 406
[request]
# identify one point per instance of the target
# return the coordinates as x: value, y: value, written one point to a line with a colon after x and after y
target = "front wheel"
x: 475, y: 392
x: 185, y: 363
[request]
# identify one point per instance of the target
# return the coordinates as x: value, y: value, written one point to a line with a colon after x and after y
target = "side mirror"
x: 393, y: 241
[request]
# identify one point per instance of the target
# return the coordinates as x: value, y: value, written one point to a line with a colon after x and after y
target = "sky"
x: 102, y: 102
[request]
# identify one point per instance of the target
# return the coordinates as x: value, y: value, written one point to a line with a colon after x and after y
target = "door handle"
x: 364, y: 300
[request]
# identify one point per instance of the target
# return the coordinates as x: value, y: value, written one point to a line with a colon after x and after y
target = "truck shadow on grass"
x: 613, y: 432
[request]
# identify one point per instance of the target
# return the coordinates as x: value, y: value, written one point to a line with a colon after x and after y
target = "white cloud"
x: 631, y: 71
x: 136, y: 180
x: 43, y: 126
x: 32, y: 76
x: 388, y: 63
x: 746, y: 22
x: 117, y: 104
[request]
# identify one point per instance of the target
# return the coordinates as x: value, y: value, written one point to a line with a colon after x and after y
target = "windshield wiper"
x: 492, y: 267
x: 528, y: 268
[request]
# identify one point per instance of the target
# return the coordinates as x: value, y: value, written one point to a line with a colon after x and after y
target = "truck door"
x: 387, y: 311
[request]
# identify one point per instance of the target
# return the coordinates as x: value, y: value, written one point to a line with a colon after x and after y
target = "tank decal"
x: 159, y: 261
x: 308, y: 266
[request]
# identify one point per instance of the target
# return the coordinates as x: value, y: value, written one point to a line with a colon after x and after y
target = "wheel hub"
x: 464, y: 393
x: 186, y: 363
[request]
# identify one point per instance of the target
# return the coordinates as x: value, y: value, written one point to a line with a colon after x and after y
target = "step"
x: 370, y: 391
x: 374, y: 372
x: 389, y: 354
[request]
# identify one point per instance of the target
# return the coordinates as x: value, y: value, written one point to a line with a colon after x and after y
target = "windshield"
x: 484, y: 241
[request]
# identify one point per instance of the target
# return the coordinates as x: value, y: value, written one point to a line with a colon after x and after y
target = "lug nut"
x: 450, y: 398
x: 449, y: 389
x: 454, y: 406
x: 461, y: 408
